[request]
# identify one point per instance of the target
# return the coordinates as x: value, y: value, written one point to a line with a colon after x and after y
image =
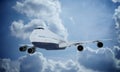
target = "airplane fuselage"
x: 44, y: 38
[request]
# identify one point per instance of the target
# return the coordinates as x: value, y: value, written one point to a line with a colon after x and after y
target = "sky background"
x: 78, y: 20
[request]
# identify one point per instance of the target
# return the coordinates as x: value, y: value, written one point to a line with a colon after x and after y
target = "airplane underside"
x: 47, y: 46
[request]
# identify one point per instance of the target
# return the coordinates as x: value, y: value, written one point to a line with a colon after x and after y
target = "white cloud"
x: 116, y: 17
x: 6, y: 65
x: 38, y: 63
x: 116, y: 50
x: 100, y: 60
x: 116, y: 1
x: 21, y: 30
x: 44, y: 10
x: 117, y: 22
x: 38, y: 8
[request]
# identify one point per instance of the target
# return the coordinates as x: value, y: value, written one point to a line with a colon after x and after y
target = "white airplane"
x: 42, y: 37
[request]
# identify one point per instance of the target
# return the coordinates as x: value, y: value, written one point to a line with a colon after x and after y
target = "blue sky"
x: 83, y: 19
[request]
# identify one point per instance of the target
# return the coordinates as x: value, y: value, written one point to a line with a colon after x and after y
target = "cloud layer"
x: 117, y: 19
x: 116, y: 1
x: 6, y: 65
x: 100, y: 60
x: 46, y: 12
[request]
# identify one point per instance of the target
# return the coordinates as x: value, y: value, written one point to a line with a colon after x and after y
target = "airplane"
x: 42, y: 37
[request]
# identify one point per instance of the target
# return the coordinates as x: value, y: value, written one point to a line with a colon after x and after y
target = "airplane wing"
x: 28, y: 45
x: 86, y: 42
x: 80, y: 44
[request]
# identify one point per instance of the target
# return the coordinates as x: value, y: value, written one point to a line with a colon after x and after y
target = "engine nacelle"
x: 23, y: 48
x: 99, y: 44
x: 80, y: 48
x: 31, y: 50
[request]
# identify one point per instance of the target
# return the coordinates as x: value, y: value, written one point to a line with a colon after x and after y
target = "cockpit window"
x: 39, y: 28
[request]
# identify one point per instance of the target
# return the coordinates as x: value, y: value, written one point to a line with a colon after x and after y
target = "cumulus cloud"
x: 21, y: 30
x: 47, y: 11
x: 38, y: 63
x: 38, y: 8
x: 117, y: 20
x: 100, y: 60
x: 116, y: 1
x: 6, y: 65
x: 116, y: 17
x: 116, y: 50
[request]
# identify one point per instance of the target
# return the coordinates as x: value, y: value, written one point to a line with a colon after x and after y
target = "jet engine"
x: 31, y: 50
x: 99, y: 44
x: 23, y: 48
x: 80, y: 48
